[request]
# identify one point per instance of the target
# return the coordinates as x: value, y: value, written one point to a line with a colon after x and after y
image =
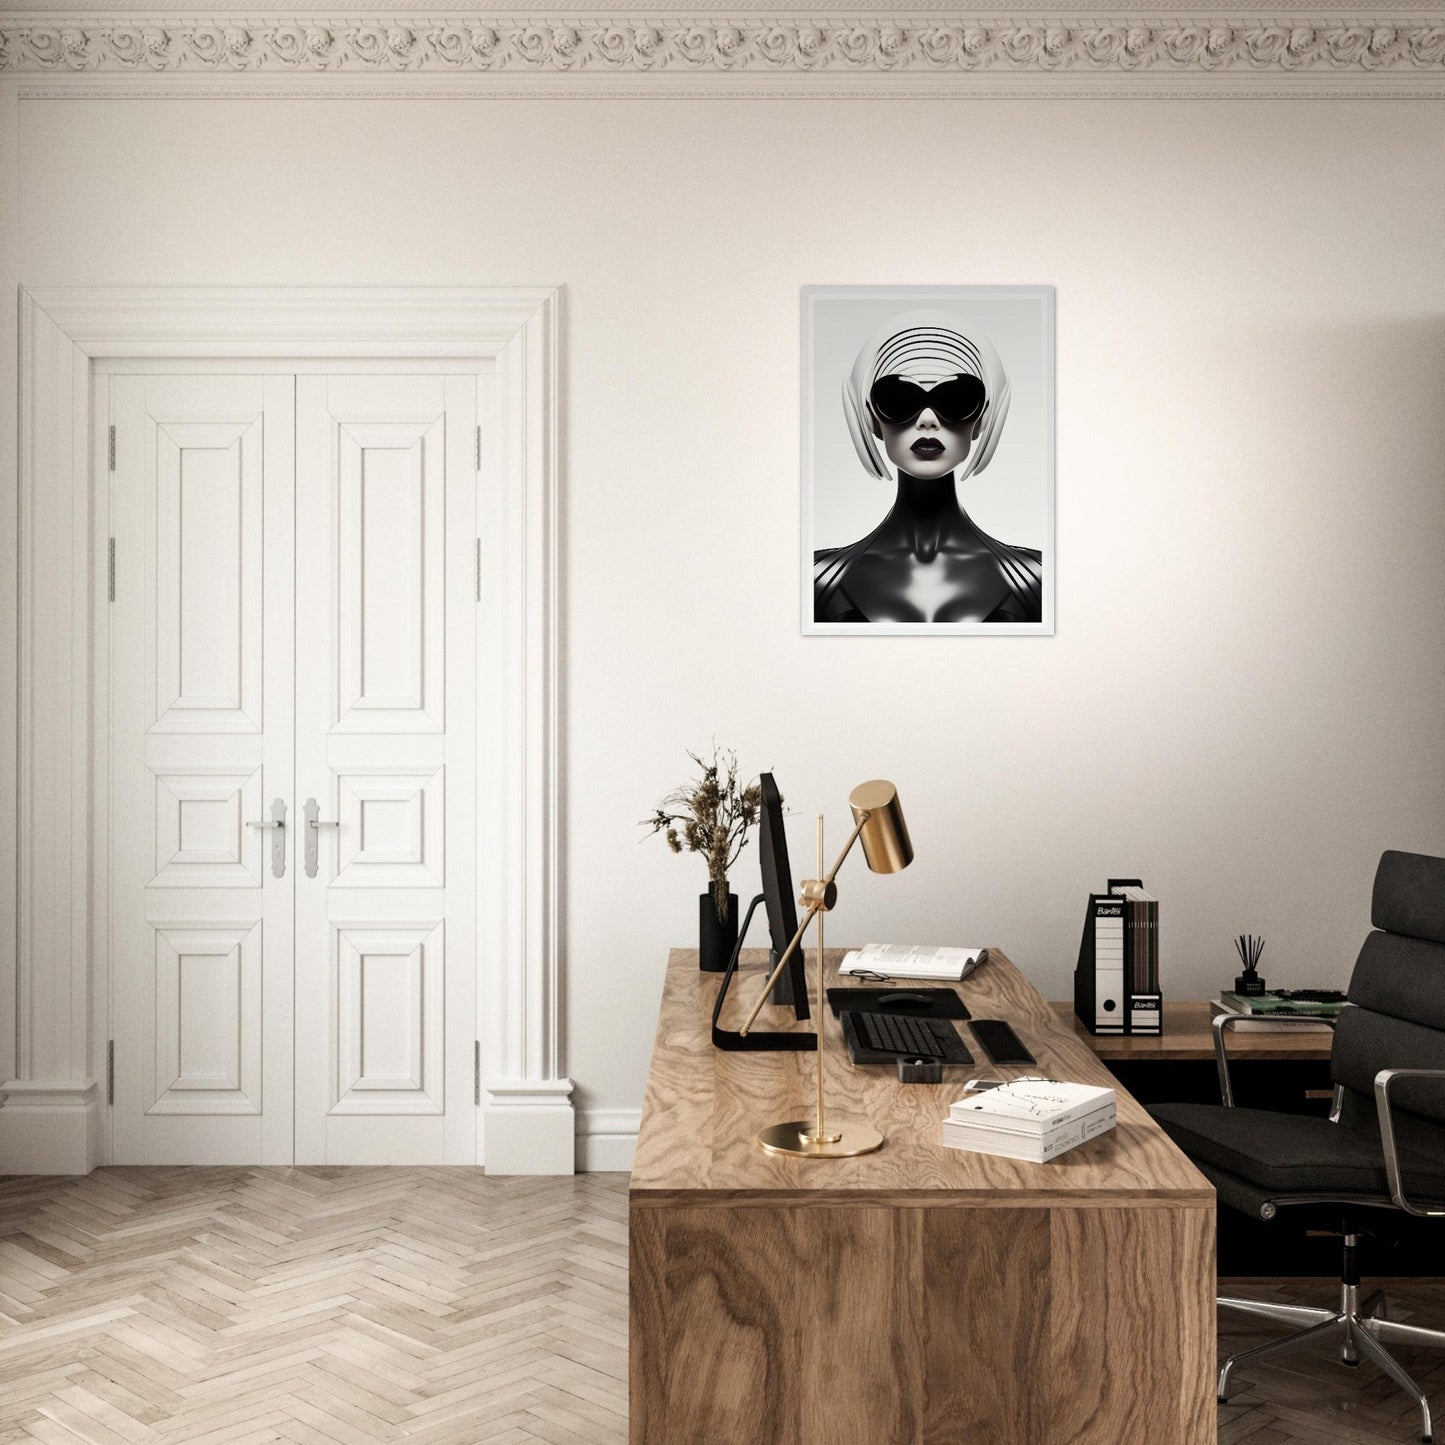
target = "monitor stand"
x: 782, y: 993
x: 757, y: 1040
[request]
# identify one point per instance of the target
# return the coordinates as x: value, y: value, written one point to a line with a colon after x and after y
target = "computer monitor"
x: 791, y: 987
x: 777, y: 899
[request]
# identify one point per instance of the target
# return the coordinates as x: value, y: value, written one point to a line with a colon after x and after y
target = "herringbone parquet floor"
x: 236, y: 1306
x: 346, y: 1306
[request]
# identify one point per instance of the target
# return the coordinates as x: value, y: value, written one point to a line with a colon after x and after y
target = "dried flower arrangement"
x: 711, y: 816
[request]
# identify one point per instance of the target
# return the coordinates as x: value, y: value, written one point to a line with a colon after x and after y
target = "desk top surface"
x: 1188, y: 1036
x: 704, y: 1106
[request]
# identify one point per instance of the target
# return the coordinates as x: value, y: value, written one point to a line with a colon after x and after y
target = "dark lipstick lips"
x: 927, y: 447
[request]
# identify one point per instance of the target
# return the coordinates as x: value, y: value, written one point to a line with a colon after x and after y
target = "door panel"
x: 389, y: 1012
x: 208, y: 1020
x: 385, y: 734
x: 201, y: 741
x: 208, y: 554
x: 390, y: 574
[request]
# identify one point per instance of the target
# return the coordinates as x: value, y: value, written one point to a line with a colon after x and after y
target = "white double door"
x: 292, y: 641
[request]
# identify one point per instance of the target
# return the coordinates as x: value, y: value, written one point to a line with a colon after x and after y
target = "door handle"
x: 314, y: 825
x: 277, y: 821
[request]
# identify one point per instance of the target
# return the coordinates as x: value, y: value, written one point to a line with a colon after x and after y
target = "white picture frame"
x: 925, y: 573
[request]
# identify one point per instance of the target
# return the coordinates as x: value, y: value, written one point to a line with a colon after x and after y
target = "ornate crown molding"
x: 854, y: 44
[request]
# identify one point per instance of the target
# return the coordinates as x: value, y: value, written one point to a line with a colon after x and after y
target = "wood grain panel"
x: 860, y: 1323
x: 1195, y: 1265
x: 1131, y: 1326
x: 780, y: 1325
x: 647, y: 1327
x: 985, y: 1302
x: 703, y: 1108
x: 857, y: 1325
x: 732, y: 1341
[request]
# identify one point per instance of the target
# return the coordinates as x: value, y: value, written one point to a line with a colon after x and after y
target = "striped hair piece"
x: 926, y: 347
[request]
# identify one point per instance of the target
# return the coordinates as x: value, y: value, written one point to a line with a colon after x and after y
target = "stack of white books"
x: 904, y: 960
x: 1033, y: 1119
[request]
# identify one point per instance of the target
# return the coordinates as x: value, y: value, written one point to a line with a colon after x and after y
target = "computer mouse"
x: 904, y: 1000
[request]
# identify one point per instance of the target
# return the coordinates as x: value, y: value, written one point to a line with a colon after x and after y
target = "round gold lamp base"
x: 842, y: 1141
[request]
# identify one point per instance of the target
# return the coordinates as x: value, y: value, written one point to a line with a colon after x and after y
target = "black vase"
x: 716, y: 939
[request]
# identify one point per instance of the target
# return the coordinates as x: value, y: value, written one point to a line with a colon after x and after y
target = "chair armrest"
x: 1383, y: 1080
x: 1222, y: 1023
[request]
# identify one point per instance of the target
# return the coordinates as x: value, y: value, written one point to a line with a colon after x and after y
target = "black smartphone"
x: 1000, y: 1042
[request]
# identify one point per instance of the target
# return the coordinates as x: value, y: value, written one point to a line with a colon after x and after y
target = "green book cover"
x: 1272, y: 1003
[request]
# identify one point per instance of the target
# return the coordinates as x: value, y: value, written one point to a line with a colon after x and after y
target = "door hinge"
x: 110, y: 1072
x: 479, y: 569
x: 112, y: 448
x: 477, y: 1072
x: 479, y: 446
x: 110, y: 569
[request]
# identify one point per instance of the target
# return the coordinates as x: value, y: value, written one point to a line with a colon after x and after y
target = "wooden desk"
x: 1187, y: 1036
x: 916, y: 1294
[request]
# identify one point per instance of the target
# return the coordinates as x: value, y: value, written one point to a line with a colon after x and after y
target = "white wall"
x: 1243, y: 701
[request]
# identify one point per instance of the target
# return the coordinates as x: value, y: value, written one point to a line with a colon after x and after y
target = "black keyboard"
x: 882, y: 1038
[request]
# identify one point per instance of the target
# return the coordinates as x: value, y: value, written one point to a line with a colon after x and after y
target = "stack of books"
x: 1262, y: 1011
x: 1032, y: 1119
x: 1141, y: 940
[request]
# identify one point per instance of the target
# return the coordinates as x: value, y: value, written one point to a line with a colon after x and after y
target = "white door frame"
x: 53, y: 1115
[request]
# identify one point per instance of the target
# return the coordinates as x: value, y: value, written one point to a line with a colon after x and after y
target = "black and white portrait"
x: 928, y: 460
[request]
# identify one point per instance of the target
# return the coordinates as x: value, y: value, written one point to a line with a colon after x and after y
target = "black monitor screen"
x: 778, y: 895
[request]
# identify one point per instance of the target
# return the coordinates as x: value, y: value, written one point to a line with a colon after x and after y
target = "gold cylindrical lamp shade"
x: 884, y: 836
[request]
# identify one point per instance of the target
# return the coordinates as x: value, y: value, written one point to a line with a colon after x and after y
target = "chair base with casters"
x: 1359, y: 1329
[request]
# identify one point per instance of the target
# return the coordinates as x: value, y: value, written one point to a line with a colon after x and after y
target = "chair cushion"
x: 1409, y: 895
x: 1402, y: 977
x: 1366, y: 1042
x: 1292, y: 1153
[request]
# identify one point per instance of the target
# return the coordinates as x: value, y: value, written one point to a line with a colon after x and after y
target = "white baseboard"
x: 530, y: 1127
x: 607, y: 1139
x: 49, y: 1126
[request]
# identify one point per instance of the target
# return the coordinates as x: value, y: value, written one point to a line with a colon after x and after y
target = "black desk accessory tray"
x: 916, y: 1003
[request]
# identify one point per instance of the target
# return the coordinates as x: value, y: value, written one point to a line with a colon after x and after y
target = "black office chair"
x: 1381, y: 1151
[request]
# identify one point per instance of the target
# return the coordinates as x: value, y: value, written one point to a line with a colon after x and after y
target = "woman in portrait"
x: 935, y: 395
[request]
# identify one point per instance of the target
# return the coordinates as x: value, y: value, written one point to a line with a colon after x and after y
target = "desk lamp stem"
x: 812, y: 1139
x: 818, y: 1134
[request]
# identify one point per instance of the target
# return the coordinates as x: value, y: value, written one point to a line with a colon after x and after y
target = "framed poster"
x: 928, y: 461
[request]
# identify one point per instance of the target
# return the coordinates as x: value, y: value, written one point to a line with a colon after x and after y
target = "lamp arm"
x: 847, y: 848
x: 814, y: 908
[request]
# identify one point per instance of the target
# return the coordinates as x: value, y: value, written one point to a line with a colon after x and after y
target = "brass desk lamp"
x: 878, y: 822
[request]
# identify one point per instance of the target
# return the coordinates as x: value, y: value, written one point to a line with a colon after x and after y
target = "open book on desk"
x: 902, y: 960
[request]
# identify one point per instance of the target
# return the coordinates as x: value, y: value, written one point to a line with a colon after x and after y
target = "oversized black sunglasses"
x: 954, y: 402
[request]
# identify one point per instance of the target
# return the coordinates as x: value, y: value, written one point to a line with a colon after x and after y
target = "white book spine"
x: 984, y: 1109
x: 1033, y: 1147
